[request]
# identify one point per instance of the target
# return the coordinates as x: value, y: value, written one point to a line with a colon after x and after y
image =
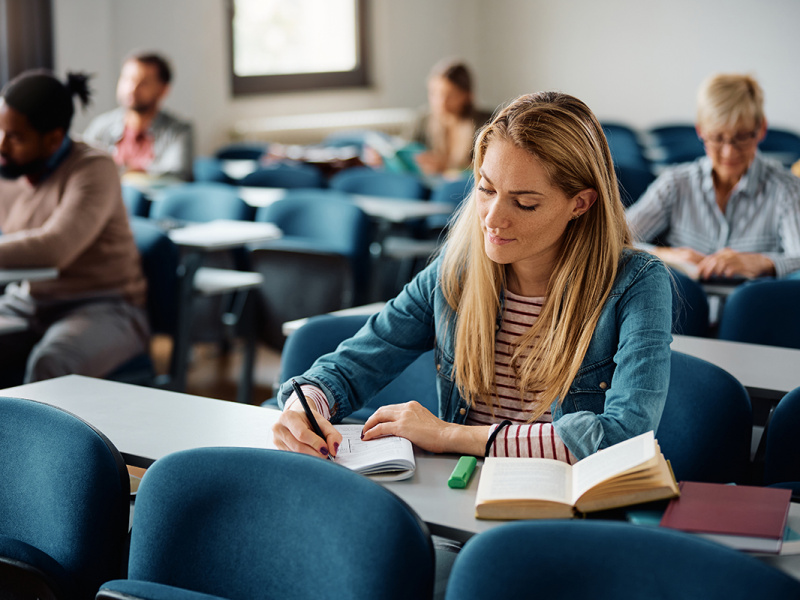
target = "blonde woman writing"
x: 539, y: 311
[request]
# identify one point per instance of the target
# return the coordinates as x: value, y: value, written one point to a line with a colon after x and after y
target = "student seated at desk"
x: 61, y: 206
x: 447, y: 128
x: 732, y: 212
x: 147, y: 142
x: 539, y: 310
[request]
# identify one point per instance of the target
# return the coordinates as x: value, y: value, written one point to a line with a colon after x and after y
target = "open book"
x: 627, y: 473
x: 386, y: 459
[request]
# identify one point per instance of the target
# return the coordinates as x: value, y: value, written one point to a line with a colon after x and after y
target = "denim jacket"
x: 619, y: 391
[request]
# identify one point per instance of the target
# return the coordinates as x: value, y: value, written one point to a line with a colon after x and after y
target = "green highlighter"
x: 459, y: 478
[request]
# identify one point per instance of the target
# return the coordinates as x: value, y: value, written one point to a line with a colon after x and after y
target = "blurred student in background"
x: 61, y: 206
x: 141, y: 136
x: 447, y: 128
x: 732, y: 212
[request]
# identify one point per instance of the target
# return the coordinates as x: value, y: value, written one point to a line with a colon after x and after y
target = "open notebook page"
x: 388, y: 458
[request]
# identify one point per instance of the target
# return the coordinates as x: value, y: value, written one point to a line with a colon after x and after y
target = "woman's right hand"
x: 293, y: 432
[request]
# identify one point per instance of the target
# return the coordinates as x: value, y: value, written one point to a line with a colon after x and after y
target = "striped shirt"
x: 523, y: 439
x: 762, y: 214
x: 539, y: 439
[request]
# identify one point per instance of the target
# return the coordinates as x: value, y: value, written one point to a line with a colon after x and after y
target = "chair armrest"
x: 127, y: 589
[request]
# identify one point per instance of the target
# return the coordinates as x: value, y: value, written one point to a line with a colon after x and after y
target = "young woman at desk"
x: 539, y: 310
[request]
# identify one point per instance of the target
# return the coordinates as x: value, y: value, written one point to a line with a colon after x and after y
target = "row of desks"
x: 146, y: 424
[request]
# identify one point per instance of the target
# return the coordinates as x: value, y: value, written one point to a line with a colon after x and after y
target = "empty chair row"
x: 204, y: 524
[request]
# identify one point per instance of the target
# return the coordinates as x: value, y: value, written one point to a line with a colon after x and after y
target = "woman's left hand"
x: 423, y: 429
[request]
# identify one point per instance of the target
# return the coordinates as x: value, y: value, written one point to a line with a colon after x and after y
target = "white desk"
x: 146, y: 424
x: 768, y: 372
x: 223, y: 234
x: 11, y: 275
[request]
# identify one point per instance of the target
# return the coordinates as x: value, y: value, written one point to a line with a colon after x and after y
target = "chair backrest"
x: 782, y: 452
x: 633, y: 181
x: 676, y: 143
x: 763, y: 312
x: 450, y: 192
x: 690, y: 310
x: 201, y: 202
x: 209, y: 168
x: 371, y: 182
x: 285, y: 175
x: 136, y: 201
x: 607, y: 560
x: 64, y: 498
x: 323, y: 222
x: 781, y: 144
x: 325, y: 217
x: 707, y: 423
x: 246, y: 523
x: 241, y: 151
x: 626, y: 150
x: 322, y: 334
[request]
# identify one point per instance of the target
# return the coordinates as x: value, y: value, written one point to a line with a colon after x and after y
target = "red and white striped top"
x: 538, y: 439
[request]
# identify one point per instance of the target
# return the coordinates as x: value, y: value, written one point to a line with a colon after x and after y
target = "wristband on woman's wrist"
x: 493, y: 436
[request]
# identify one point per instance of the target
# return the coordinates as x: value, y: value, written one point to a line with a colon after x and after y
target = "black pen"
x: 302, y: 397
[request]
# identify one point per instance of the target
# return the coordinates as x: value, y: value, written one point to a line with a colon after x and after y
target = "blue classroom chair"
x: 136, y: 201
x: 763, y: 312
x: 322, y: 334
x: 607, y: 560
x: 677, y: 143
x: 201, y: 202
x: 633, y: 182
x: 626, y: 149
x: 320, y: 264
x: 246, y: 523
x: 707, y: 423
x: 64, y: 504
x: 371, y: 182
x: 285, y: 175
x: 242, y: 151
x: 690, y: 309
x: 449, y: 192
x: 782, y: 448
x: 782, y: 145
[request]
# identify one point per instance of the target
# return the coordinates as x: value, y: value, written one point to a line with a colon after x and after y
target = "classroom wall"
x: 631, y: 61
x: 641, y: 62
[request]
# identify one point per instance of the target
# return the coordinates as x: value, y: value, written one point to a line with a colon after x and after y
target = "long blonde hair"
x: 564, y: 135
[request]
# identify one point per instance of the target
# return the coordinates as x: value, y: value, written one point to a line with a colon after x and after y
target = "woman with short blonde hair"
x: 732, y: 213
x: 551, y: 334
x: 728, y: 100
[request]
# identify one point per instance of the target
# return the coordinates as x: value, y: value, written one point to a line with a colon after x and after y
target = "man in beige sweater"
x: 61, y: 206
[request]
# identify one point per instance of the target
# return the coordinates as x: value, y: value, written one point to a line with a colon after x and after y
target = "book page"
x: 504, y: 478
x: 384, y: 454
x: 611, y: 461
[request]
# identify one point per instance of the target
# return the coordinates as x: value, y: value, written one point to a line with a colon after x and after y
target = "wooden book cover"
x: 741, y: 516
x: 630, y: 472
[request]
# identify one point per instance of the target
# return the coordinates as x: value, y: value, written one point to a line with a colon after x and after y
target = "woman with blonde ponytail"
x: 540, y: 312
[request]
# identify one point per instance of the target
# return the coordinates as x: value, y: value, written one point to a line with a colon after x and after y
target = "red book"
x: 740, y: 516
